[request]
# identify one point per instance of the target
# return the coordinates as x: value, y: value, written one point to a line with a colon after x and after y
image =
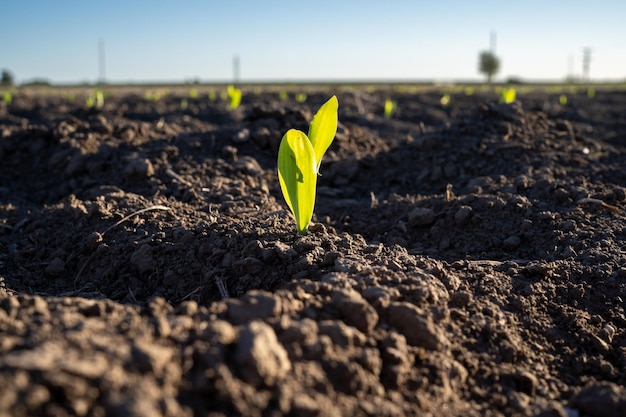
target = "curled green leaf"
x: 323, y: 128
x: 298, y: 176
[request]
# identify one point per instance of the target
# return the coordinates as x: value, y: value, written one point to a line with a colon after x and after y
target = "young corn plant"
x: 390, y: 108
x: 299, y: 159
x: 234, y: 96
x: 507, y: 95
x: 7, y: 97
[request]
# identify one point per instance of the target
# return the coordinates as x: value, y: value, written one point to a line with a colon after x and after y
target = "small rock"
x: 254, y: 305
x: 138, y: 168
x: 142, y: 259
x: 462, y: 216
x: 512, y: 242
x: 259, y: 357
x: 242, y: 136
x: 356, y: 311
x: 261, y: 135
x: 56, y: 267
x: 418, y: 327
x: 601, y: 399
x: 421, y: 217
x: 340, y: 334
x: 150, y: 357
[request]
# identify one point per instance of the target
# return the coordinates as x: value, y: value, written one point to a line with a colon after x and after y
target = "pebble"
x: 421, y: 217
x: 138, y: 168
x: 56, y: 267
x: 254, y: 305
x: 418, y: 327
x: 259, y: 357
x: 512, y: 242
x: 600, y: 399
x: 462, y: 216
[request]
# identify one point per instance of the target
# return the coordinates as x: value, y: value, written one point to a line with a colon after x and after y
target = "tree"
x: 7, y: 78
x: 489, y: 64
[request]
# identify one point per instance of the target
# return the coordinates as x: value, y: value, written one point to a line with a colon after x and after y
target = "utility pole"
x: 586, y: 62
x: 101, y: 62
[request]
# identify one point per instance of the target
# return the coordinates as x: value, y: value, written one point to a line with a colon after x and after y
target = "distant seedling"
x: 153, y: 96
x: 445, y: 100
x: 301, y: 97
x: 95, y: 100
x: 563, y: 100
x: 234, y: 96
x: 507, y: 95
x: 193, y: 93
x: 390, y: 108
x: 283, y: 95
x: 299, y: 160
x: 7, y: 97
x: 591, y: 92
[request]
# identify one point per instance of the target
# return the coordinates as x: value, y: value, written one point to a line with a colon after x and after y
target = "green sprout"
x: 153, y: 96
x: 563, y: 100
x: 283, y: 95
x: 234, y: 96
x: 193, y: 93
x: 95, y: 100
x: 7, y: 97
x: 69, y: 97
x: 212, y: 95
x: 301, y: 97
x: 445, y: 100
x: 507, y: 95
x: 591, y: 92
x: 390, y: 108
x: 299, y: 159
x: 184, y: 104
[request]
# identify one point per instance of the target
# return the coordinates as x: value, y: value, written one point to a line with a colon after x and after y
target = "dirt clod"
x: 466, y: 261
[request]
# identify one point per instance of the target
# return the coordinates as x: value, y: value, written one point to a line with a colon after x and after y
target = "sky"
x: 300, y: 40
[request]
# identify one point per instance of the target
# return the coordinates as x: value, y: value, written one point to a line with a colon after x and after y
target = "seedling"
x: 7, y: 97
x: 283, y: 95
x: 95, y: 100
x: 591, y: 92
x: 299, y: 160
x: 507, y: 96
x: 563, y: 100
x: 390, y: 108
x: 184, y: 104
x: 153, y: 96
x: 193, y: 93
x: 70, y: 97
x: 234, y: 96
x: 445, y: 100
x: 301, y: 97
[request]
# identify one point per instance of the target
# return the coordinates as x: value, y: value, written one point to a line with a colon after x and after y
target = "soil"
x: 464, y: 260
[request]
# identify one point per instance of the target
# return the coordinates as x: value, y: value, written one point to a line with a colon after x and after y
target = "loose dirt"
x: 465, y: 260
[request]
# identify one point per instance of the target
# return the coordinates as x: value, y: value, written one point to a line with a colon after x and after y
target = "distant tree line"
x: 7, y: 78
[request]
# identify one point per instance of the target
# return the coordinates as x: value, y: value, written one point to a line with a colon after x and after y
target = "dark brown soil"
x: 466, y: 260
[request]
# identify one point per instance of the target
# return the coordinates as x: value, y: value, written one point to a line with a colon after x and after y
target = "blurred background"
x: 148, y: 41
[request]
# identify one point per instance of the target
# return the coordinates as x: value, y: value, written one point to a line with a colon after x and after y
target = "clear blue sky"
x: 153, y: 40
